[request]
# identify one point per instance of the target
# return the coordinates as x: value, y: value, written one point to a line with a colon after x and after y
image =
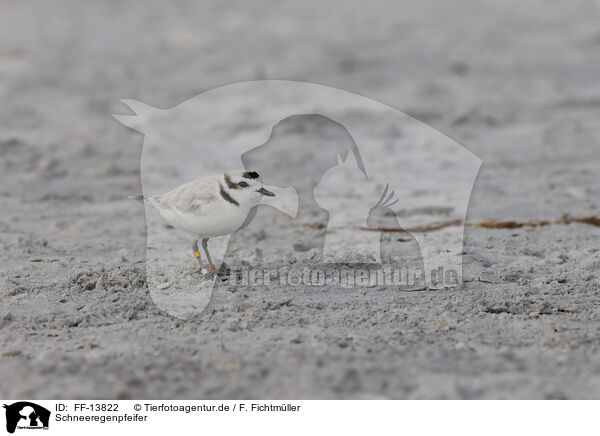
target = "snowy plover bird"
x: 211, y: 206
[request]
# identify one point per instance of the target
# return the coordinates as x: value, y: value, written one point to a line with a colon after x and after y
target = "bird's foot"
x: 208, y: 273
x: 203, y: 271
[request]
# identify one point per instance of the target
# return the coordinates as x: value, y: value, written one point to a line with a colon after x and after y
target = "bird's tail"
x: 137, y: 197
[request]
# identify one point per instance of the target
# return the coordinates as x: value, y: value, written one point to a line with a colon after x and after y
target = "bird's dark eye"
x: 243, y: 184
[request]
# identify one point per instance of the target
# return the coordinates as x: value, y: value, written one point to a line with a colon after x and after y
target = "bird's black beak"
x: 266, y: 192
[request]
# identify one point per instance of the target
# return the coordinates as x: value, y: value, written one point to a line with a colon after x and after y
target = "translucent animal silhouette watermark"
x: 328, y: 155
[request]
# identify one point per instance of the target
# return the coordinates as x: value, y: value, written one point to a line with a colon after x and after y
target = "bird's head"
x: 244, y: 187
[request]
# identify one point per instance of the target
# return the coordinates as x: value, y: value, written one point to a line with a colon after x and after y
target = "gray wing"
x: 190, y: 197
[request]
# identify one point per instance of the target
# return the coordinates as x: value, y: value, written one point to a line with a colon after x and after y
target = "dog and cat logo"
x: 329, y: 155
x: 25, y: 415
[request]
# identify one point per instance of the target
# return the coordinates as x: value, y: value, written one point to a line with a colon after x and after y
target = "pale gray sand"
x: 515, y: 83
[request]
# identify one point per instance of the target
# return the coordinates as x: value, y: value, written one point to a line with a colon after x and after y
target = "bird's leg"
x: 211, y: 266
x: 197, y: 253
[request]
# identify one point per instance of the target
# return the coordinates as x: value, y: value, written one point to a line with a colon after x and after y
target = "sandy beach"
x: 517, y: 84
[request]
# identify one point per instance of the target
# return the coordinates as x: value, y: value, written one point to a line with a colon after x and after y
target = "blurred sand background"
x: 517, y: 83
